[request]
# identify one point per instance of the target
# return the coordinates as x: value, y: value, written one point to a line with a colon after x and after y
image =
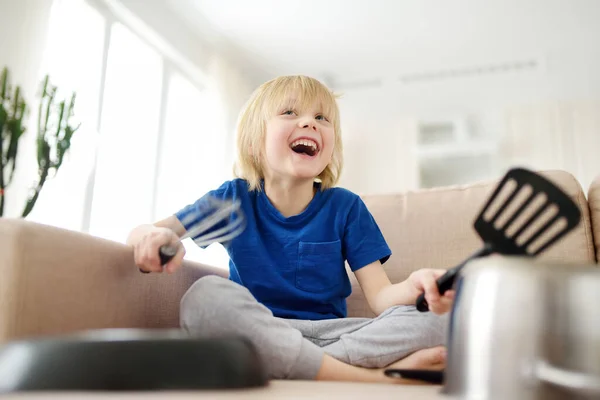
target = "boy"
x: 288, y: 284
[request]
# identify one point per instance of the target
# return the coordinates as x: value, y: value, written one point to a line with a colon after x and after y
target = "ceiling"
x: 353, y: 41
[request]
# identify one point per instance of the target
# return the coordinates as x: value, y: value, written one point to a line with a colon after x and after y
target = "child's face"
x: 298, y: 144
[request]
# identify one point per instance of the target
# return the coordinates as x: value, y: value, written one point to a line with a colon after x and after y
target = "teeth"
x: 305, y: 143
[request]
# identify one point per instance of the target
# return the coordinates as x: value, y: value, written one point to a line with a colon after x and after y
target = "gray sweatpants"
x: 293, y: 349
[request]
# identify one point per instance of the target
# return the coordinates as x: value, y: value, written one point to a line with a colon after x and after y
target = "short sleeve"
x: 202, y: 215
x: 363, y: 241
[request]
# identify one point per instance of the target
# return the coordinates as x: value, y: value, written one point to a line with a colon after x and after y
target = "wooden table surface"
x: 275, y: 390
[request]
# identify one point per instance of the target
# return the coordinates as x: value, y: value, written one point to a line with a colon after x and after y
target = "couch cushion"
x: 594, y: 204
x: 432, y: 228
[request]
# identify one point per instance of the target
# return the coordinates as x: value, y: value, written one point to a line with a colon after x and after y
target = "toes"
x: 434, y: 355
x: 430, y: 357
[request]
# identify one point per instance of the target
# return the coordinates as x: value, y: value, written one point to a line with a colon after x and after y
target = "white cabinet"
x: 456, y: 150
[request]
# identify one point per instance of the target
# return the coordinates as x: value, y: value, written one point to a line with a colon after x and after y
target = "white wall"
x: 380, y: 122
x: 22, y: 25
x: 378, y: 145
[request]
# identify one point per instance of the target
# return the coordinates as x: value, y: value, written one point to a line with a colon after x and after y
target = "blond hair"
x: 262, y: 105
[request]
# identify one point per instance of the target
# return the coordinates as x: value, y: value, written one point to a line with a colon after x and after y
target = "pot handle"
x: 568, y: 379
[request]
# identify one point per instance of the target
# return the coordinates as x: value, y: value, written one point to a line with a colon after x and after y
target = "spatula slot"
x: 511, y: 205
x: 519, y: 236
x: 537, y: 225
x: 493, y: 208
x: 538, y: 244
x: 519, y: 216
x: 524, y: 216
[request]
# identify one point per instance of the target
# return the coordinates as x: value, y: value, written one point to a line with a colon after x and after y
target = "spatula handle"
x: 444, y: 283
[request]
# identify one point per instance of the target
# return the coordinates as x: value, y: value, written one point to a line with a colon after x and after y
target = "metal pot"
x: 524, y: 330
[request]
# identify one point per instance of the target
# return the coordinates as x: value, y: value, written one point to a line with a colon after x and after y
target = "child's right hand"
x: 146, y: 250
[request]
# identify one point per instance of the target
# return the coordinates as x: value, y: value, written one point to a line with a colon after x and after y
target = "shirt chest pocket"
x: 320, y: 266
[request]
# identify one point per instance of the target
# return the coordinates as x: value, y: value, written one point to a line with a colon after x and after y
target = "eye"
x: 288, y: 112
x: 321, y: 118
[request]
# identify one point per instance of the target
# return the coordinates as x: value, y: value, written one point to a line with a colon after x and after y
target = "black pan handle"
x: 166, y: 254
x: 429, y: 376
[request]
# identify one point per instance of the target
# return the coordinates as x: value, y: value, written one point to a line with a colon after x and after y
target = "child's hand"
x: 146, y: 250
x: 424, y: 280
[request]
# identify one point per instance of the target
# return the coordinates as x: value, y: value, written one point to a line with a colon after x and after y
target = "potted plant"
x: 54, y: 133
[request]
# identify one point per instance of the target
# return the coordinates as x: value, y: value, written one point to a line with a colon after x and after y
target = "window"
x: 74, y: 63
x: 151, y: 139
x: 191, y: 158
x: 123, y: 188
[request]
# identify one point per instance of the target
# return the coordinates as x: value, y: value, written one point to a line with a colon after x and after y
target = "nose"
x: 307, y: 122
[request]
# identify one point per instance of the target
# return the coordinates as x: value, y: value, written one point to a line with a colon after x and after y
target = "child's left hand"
x: 424, y: 280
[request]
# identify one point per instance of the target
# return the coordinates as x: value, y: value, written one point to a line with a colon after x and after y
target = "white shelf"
x: 455, y: 150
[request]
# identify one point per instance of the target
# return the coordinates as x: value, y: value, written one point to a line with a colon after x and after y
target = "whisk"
x: 214, y: 221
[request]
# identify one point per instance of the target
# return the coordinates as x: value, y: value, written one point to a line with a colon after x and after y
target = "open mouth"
x: 305, y: 146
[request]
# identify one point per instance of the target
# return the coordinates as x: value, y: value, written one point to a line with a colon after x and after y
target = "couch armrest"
x: 57, y: 281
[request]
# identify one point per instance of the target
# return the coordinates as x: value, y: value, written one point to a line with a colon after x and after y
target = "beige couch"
x: 55, y: 281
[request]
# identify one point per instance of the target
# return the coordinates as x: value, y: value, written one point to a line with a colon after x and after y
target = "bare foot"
x: 335, y: 370
x: 431, y: 358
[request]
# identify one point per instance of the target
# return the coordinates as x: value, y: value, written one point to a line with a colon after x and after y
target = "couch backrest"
x: 433, y: 229
x: 594, y: 204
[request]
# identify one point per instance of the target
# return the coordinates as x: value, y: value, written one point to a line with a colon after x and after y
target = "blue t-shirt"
x: 295, y: 266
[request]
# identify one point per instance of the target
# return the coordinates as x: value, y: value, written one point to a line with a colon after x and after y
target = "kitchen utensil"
x: 129, y: 360
x: 214, y: 220
x: 505, y: 228
x: 524, y: 330
x: 429, y: 376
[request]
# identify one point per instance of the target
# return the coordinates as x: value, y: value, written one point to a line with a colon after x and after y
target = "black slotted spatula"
x: 507, y: 230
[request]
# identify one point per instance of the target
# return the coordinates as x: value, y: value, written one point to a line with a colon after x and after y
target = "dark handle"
x: 430, y: 376
x: 166, y: 254
x: 444, y: 283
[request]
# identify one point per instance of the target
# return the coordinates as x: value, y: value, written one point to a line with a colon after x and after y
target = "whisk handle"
x: 166, y: 254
